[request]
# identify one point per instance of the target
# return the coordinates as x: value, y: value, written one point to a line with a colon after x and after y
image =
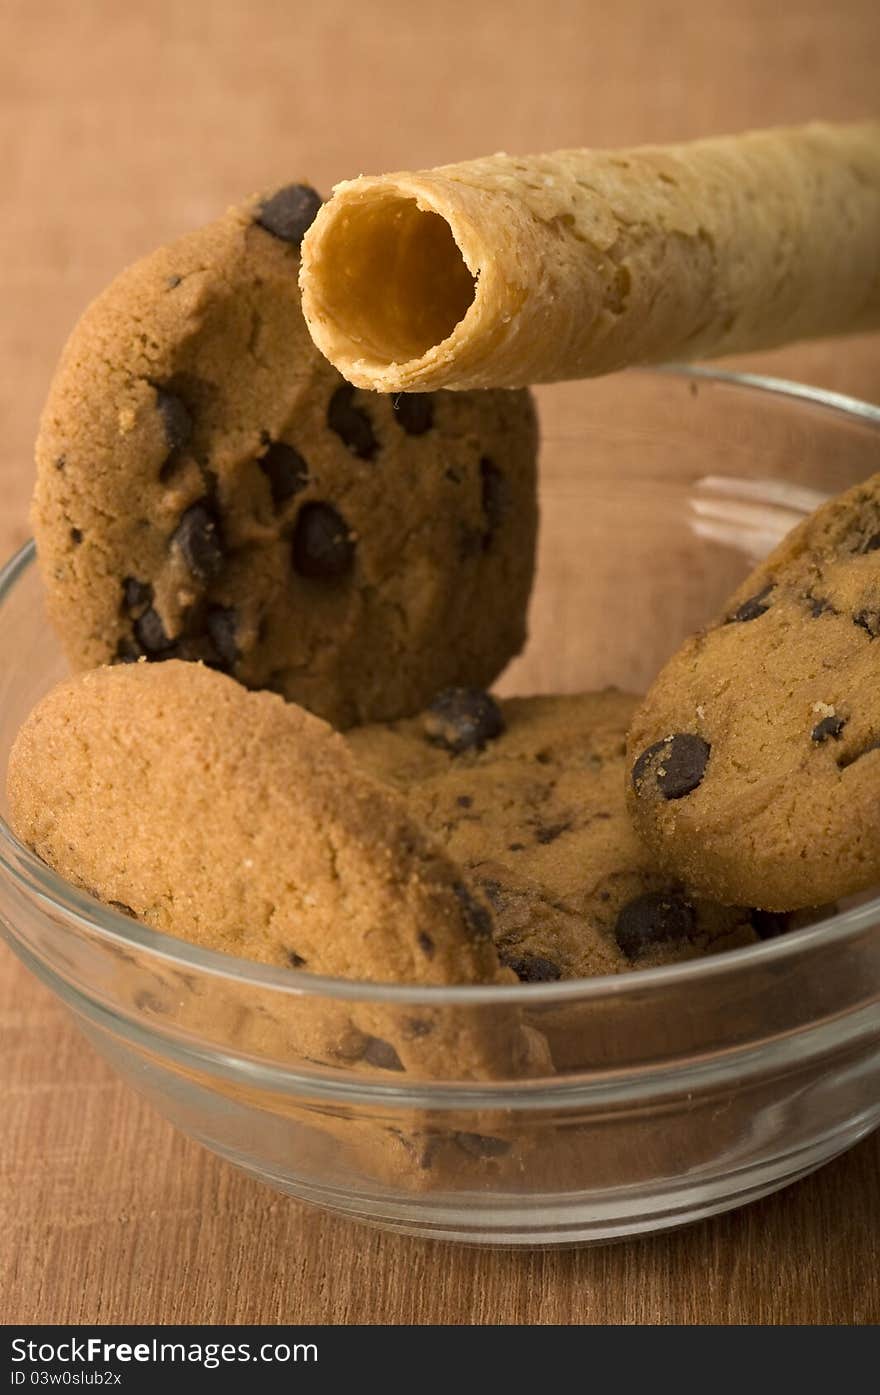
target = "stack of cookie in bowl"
x: 286, y: 598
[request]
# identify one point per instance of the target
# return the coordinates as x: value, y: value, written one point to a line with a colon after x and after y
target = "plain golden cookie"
x: 242, y: 823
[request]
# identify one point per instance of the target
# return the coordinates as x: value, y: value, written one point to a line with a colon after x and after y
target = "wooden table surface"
x: 121, y: 126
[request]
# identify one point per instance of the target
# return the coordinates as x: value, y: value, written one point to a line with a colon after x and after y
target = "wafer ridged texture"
x: 503, y: 271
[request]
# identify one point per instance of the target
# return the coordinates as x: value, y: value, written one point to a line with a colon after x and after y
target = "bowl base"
x: 553, y: 1222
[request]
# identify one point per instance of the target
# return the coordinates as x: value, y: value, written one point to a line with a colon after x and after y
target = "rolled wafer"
x: 503, y: 271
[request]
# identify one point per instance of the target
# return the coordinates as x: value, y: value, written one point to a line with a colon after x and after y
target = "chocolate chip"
x: 869, y: 621
x: 480, y: 1145
x: 415, y: 1027
x: 769, y: 925
x: 493, y: 890
x: 752, y: 608
x: 658, y: 917
x: 532, y: 968
x: 145, y: 1001
x: 476, y: 917
x: 221, y: 622
x: 550, y: 832
x: 295, y: 960
x: 127, y: 652
x: 872, y: 544
x: 150, y: 634
x: 678, y: 764
x: 516, y: 847
x: 828, y: 727
x: 475, y: 1145
x: 172, y: 282
x: 382, y: 1055
x: 76, y: 536
x: 463, y: 719
x: 198, y: 537
x: 290, y: 212
x: 176, y: 419
x: 60, y: 462
x: 426, y: 945
x: 351, y: 424
x: 322, y: 544
x: 471, y: 543
x: 123, y: 909
x: 285, y: 470
x: 136, y: 595
x: 820, y: 606
x: 494, y: 497
x: 414, y: 411
x: 464, y: 800
x: 426, y: 1157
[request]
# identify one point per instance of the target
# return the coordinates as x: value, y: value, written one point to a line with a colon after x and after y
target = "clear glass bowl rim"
x: 35, y: 877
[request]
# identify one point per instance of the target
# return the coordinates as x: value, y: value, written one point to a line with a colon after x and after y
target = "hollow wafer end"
x: 384, y: 283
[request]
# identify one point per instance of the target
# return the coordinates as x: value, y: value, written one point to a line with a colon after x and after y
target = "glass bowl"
x: 675, y: 1092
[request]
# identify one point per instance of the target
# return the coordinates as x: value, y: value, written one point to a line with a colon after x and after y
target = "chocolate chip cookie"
x: 755, y: 758
x: 527, y: 796
x: 209, y: 488
x: 240, y: 822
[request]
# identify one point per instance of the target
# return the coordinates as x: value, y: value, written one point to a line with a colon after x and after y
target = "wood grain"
x: 121, y: 126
